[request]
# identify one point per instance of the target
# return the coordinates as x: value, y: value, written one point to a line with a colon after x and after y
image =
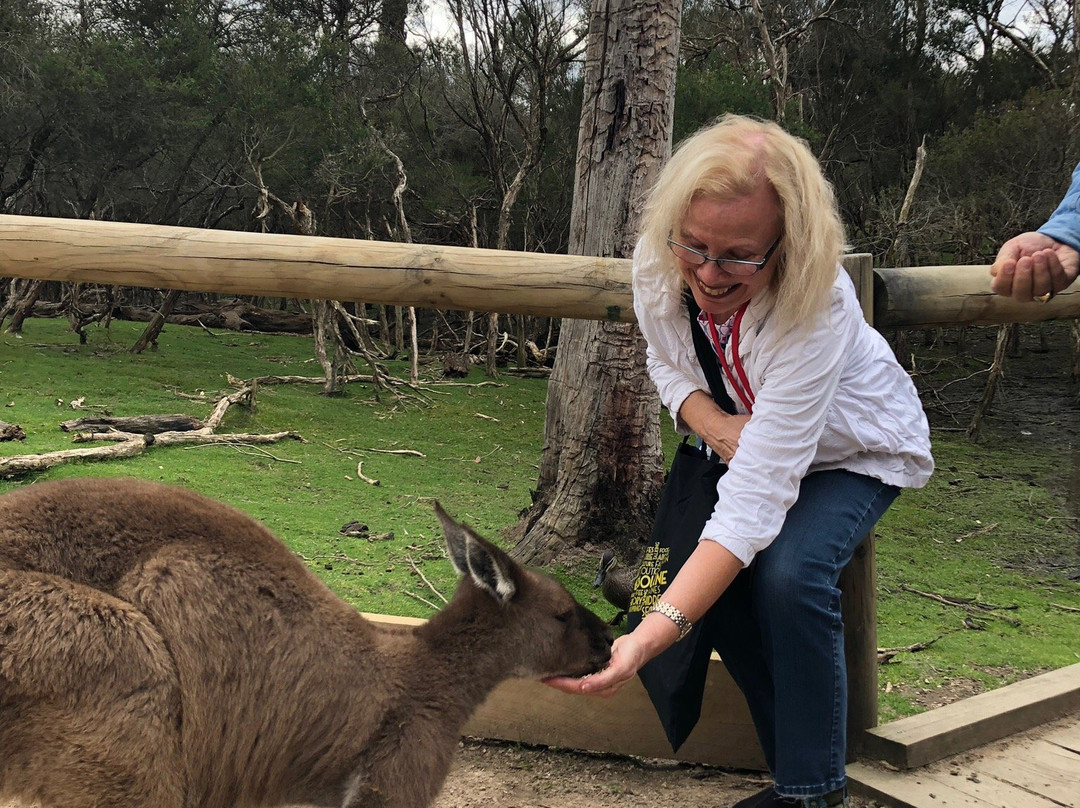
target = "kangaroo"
x: 159, y: 649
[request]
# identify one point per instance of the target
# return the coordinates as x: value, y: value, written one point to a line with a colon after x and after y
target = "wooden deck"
x: 1016, y: 747
x: 1035, y: 769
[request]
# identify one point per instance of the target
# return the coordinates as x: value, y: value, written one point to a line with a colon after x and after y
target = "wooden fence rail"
x: 458, y: 278
x: 311, y: 267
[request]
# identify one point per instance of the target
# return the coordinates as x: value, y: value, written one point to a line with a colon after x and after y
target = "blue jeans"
x: 779, y: 632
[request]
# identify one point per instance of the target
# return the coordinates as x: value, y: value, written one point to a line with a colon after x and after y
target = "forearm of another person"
x: 718, y: 429
x: 702, y: 579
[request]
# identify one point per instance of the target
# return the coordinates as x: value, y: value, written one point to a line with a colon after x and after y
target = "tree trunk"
x: 490, y: 367
x: 24, y: 306
x: 602, y: 467
x: 152, y: 331
x: 997, y: 370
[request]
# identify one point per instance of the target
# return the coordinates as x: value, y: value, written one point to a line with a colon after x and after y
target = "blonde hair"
x: 731, y: 158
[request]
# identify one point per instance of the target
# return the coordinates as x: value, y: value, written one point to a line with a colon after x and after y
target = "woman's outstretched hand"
x: 626, y: 658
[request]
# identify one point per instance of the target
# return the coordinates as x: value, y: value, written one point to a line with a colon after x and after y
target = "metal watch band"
x: 675, y: 616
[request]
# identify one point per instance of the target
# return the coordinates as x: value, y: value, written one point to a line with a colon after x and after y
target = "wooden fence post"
x: 858, y: 580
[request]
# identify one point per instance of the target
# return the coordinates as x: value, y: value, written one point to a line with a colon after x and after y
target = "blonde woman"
x: 827, y: 430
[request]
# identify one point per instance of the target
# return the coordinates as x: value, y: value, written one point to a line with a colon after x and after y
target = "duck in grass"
x: 616, y: 583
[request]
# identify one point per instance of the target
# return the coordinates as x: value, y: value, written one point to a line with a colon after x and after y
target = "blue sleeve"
x: 1064, y: 224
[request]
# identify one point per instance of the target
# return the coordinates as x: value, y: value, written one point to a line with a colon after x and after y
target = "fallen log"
x: 201, y: 437
x: 21, y: 465
x: 138, y: 424
x: 191, y: 431
x: 11, y: 431
x: 233, y: 315
x: 885, y: 655
x: 970, y: 605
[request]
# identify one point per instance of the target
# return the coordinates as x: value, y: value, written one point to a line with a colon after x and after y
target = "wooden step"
x: 1038, y: 768
x: 962, y: 725
x: 935, y: 790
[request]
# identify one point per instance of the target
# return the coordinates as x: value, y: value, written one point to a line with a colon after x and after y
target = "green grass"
x: 993, y: 525
x: 481, y: 470
x: 988, y: 527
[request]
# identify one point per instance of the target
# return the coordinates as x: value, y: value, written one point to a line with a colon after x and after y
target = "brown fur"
x: 162, y: 650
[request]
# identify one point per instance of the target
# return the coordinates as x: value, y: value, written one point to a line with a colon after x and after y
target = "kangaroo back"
x: 158, y: 648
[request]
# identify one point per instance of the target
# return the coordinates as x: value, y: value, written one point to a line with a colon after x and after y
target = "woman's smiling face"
x: 743, y: 228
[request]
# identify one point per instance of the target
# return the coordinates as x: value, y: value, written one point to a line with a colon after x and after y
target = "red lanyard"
x: 741, y: 385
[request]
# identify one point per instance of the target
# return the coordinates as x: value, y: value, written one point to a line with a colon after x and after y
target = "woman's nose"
x: 709, y: 272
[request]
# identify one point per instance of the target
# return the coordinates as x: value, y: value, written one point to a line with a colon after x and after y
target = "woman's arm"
x: 702, y: 579
x: 718, y: 429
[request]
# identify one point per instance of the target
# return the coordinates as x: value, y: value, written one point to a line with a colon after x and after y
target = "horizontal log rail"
x: 437, y: 277
x: 313, y: 267
x: 931, y: 296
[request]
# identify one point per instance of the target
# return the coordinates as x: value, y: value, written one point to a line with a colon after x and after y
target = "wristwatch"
x: 675, y: 616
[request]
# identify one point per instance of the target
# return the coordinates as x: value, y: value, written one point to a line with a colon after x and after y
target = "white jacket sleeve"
x: 670, y: 358
x: 672, y: 384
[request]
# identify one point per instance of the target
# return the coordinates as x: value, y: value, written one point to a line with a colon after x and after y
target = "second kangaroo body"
x: 159, y: 649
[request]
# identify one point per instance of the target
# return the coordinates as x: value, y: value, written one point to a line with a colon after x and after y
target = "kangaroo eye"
x: 565, y: 617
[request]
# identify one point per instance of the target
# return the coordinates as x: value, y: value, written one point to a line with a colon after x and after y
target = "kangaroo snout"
x: 600, y: 646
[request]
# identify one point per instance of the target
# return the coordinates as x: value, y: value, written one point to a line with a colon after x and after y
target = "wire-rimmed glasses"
x: 732, y: 266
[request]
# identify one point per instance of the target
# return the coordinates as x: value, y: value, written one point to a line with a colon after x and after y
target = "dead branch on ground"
x: 969, y: 605
x: 885, y: 655
x: 130, y: 444
x: 138, y: 424
x: 423, y: 578
x: 389, y: 381
x: 364, y: 477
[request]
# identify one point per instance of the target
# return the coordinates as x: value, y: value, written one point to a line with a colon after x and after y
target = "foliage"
x: 705, y: 89
x: 993, y: 525
x: 160, y: 112
x: 977, y: 170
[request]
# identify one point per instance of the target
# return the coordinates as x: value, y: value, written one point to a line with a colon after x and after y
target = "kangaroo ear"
x: 490, y: 568
x: 487, y: 565
x: 456, y: 544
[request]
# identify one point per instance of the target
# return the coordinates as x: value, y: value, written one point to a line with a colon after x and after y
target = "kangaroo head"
x: 548, y: 632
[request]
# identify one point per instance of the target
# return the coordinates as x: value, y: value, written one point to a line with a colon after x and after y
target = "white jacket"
x: 833, y: 397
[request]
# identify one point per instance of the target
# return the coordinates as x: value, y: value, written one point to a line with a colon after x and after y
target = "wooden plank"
x: 921, y: 739
x: 922, y: 297
x: 860, y: 268
x: 1042, y: 768
x: 1067, y: 737
x: 930, y: 790
x: 983, y: 786
x: 440, y: 277
x: 903, y: 790
x: 313, y: 267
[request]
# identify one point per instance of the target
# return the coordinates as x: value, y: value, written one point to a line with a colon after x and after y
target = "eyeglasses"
x: 732, y: 266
